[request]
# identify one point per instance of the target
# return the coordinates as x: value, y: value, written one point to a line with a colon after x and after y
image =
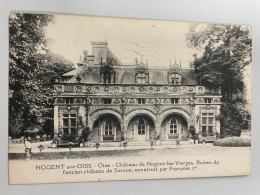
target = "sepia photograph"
x: 102, y: 98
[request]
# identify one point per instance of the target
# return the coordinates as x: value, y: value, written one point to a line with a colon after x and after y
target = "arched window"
x: 141, y: 127
x: 173, y: 126
x: 108, y: 128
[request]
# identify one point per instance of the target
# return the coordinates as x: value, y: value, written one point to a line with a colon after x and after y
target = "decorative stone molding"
x: 59, y: 88
x: 136, y: 112
x: 97, y: 113
x: 165, y: 113
x: 79, y: 88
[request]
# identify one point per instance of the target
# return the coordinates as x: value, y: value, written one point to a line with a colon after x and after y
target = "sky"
x: 158, y: 41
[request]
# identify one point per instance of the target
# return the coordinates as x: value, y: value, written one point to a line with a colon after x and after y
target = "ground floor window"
x: 173, y: 126
x: 207, y: 124
x: 141, y: 127
x: 108, y: 128
x: 69, y: 123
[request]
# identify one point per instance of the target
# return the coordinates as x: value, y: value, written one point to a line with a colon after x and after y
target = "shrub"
x: 233, y: 142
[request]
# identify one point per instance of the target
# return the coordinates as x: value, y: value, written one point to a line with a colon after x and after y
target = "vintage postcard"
x: 97, y: 99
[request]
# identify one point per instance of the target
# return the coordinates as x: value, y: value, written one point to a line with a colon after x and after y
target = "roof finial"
x: 180, y: 63
x: 170, y: 63
x: 147, y: 62
x: 175, y: 60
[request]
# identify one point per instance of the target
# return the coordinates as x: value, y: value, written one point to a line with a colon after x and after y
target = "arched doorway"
x: 106, y: 128
x: 140, y: 128
x: 174, y: 126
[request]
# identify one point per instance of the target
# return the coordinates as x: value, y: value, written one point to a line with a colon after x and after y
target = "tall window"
x: 141, y: 127
x: 107, y: 77
x: 108, y: 128
x: 173, y: 127
x: 141, y: 78
x: 207, y: 124
x: 69, y: 123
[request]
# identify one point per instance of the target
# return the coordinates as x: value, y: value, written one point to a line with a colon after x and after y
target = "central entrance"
x: 140, y: 129
x: 141, y: 132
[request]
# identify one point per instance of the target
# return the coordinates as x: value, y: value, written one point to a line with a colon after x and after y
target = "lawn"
x: 195, y: 150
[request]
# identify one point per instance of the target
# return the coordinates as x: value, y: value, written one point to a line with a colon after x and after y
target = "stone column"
x: 114, y: 133
x: 123, y: 125
x: 148, y: 133
x: 157, y: 129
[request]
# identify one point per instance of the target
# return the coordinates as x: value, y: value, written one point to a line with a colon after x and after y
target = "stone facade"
x: 133, y: 102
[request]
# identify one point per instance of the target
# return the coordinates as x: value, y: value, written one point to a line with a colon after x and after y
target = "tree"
x: 26, y: 42
x: 227, y: 51
x: 52, y: 67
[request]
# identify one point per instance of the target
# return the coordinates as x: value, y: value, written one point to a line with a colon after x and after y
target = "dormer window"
x: 107, y: 77
x: 107, y: 73
x: 175, y: 79
x: 175, y: 74
x: 141, y: 74
x: 141, y: 78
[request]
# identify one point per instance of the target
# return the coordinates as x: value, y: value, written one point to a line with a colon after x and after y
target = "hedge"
x: 233, y: 142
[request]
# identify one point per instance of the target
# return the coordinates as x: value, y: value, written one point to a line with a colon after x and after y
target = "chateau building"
x: 133, y: 102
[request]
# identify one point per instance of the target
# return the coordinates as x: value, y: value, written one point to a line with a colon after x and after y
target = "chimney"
x: 99, y: 50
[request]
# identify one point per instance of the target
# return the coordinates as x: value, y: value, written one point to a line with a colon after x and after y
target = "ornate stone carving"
x: 117, y: 101
x: 96, y: 89
x: 165, y: 89
x: 175, y: 89
x: 106, y: 89
x: 79, y: 88
x: 58, y: 88
x: 150, y: 101
x: 131, y: 101
x: 88, y: 89
x: 116, y: 89
x: 132, y: 89
x: 191, y: 89
x: 59, y: 100
x: 96, y: 101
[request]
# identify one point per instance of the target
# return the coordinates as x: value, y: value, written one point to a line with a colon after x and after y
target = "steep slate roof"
x: 89, y: 69
x: 126, y: 75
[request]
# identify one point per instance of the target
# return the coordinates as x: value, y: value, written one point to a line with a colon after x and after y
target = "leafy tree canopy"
x: 227, y: 51
x: 31, y: 68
